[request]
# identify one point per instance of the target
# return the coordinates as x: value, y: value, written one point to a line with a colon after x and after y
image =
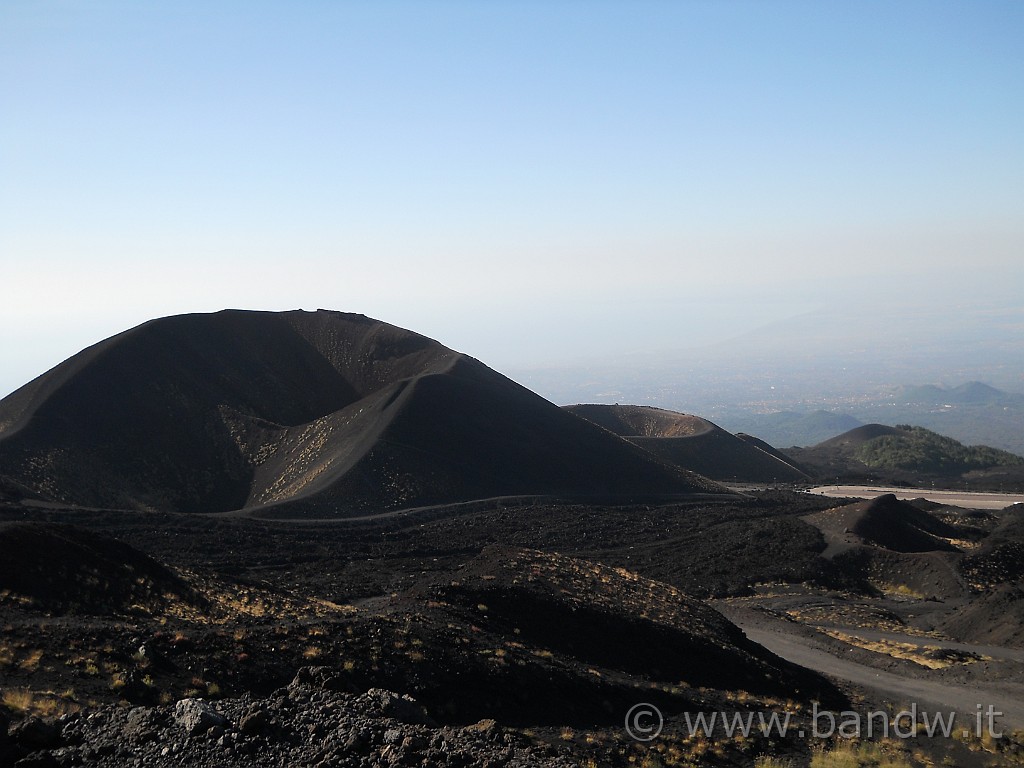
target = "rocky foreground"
x: 308, y: 723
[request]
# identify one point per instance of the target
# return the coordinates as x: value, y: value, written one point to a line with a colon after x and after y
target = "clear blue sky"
x: 522, y: 180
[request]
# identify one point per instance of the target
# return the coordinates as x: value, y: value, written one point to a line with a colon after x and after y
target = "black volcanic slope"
x: 887, y: 522
x: 62, y: 568
x: 320, y: 413
x: 891, y: 544
x: 589, y: 639
x: 692, y: 443
x: 996, y: 617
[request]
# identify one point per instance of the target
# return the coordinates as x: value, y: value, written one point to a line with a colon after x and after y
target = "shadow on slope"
x: 63, y: 569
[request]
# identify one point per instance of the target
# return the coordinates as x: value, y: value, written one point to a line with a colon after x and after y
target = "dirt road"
x: 929, y: 695
x: 953, y: 498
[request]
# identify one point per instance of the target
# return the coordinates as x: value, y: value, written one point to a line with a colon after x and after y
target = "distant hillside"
x: 857, y: 437
x: 916, y: 449
x: 692, y: 443
x: 906, y: 453
x: 973, y: 413
x: 317, y: 413
x: 786, y: 428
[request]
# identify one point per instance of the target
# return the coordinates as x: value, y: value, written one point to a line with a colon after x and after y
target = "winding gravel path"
x: 929, y: 695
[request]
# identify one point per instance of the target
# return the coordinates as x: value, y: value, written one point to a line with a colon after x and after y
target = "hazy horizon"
x: 524, y: 182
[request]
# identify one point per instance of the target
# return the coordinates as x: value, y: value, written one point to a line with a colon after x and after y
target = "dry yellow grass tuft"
x: 861, y: 755
x: 25, y: 701
x: 31, y: 662
x: 930, y: 656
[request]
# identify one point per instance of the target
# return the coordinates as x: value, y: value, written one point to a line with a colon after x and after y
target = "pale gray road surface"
x: 929, y: 695
x: 953, y: 498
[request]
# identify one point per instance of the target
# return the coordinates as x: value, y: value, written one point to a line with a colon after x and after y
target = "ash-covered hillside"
x: 694, y: 443
x: 309, y: 413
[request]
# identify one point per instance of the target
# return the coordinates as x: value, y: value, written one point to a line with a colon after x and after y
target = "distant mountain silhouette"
x: 317, y: 413
x: 693, y: 443
x: 971, y: 393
